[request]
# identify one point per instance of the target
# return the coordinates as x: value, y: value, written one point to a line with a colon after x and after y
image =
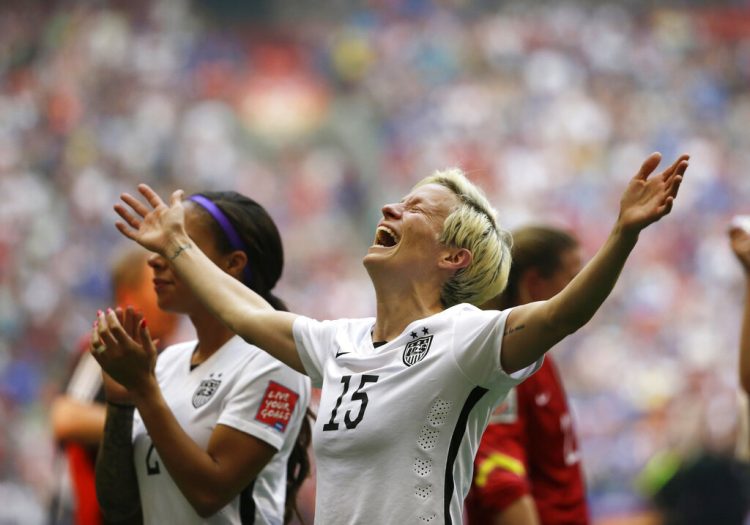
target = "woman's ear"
x: 235, y: 263
x: 455, y: 258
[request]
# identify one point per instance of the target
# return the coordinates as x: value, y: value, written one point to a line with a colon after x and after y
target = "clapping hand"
x: 649, y: 198
x: 121, y: 343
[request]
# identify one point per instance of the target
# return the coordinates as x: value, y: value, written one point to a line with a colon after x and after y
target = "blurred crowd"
x: 324, y: 114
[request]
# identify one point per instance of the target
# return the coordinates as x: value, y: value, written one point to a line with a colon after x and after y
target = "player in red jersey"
x: 527, y: 470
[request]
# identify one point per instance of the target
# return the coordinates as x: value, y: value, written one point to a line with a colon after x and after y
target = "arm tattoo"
x: 514, y: 329
x: 179, y: 250
x: 116, y: 481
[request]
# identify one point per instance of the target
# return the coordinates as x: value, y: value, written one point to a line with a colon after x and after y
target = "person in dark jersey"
x: 527, y: 470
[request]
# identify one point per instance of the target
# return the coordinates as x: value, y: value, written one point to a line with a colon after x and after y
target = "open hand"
x: 649, y: 198
x: 122, y: 345
x: 153, y: 226
x: 739, y: 239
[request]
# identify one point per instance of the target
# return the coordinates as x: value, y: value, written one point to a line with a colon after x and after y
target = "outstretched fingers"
x: 132, y: 223
x: 151, y: 196
x: 127, y: 232
x: 674, y: 186
x: 672, y: 177
x: 670, y: 193
x: 666, y: 207
x: 648, y: 166
x: 176, y: 197
x: 138, y: 207
x: 678, y: 167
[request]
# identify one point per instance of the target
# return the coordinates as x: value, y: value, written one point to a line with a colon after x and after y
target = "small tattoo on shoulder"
x: 179, y: 250
x: 514, y: 329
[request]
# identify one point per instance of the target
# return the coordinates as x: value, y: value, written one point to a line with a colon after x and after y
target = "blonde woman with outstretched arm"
x: 407, y: 394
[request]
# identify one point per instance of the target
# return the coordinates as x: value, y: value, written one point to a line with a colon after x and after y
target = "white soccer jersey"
x: 239, y: 386
x: 399, y: 425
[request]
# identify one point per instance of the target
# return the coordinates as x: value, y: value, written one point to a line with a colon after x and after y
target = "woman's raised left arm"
x: 534, y: 328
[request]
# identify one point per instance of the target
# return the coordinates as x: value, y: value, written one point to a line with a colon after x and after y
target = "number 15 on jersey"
x: 358, y: 395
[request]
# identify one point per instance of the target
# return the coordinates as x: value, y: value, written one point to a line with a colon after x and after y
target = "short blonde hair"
x: 473, y: 225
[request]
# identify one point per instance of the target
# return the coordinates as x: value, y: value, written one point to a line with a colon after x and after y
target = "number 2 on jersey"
x: 356, y: 396
x: 152, y: 466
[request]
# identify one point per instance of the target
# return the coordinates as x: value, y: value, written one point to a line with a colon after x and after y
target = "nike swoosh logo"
x: 542, y: 399
x: 342, y: 353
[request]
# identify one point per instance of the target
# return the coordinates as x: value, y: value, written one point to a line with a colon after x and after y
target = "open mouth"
x: 385, y: 237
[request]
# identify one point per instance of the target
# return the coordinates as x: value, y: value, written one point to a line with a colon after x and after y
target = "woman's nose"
x: 392, y: 210
x: 156, y: 261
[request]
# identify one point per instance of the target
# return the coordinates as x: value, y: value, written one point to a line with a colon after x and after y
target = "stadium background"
x: 323, y: 112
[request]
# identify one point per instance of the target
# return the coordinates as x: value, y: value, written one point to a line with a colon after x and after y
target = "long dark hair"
x: 265, y: 257
x: 537, y: 247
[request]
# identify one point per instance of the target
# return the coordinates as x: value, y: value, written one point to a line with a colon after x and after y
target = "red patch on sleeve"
x: 277, y: 406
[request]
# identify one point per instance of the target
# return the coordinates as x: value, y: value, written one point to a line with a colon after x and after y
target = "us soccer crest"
x: 416, y: 350
x: 205, y: 391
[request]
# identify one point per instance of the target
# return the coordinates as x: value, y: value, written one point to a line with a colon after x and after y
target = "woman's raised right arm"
x: 161, y: 228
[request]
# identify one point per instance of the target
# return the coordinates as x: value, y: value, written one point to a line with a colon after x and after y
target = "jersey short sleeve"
x: 479, y: 339
x: 315, y: 341
x: 266, y: 403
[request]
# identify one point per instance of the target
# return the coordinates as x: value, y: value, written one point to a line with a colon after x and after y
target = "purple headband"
x: 227, y: 227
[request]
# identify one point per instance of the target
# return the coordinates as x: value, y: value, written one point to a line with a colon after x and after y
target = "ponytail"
x: 298, y: 468
x: 274, y: 301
